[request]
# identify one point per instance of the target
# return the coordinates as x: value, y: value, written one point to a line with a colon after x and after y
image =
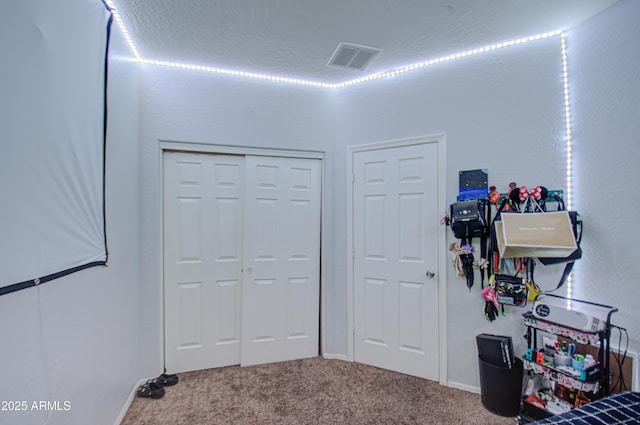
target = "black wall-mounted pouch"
x: 468, y: 220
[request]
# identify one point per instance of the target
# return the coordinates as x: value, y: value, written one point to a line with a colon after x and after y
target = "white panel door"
x: 395, y: 227
x: 203, y: 210
x: 282, y: 259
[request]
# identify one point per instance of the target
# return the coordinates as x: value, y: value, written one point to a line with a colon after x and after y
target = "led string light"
x: 372, y: 77
x: 567, y: 115
x: 299, y: 81
x: 448, y: 58
x: 123, y: 29
x: 568, y: 145
x: 237, y: 73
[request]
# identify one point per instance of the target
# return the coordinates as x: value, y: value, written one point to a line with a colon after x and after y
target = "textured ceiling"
x: 296, y: 38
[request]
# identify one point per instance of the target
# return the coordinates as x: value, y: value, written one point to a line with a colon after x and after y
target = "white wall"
x: 501, y: 111
x: 188, y: 106
x: 76, y: 339
x: 605, y: 87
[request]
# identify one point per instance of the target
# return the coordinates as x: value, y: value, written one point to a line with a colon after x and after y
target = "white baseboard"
x: 463, y: 387
x: 329, y: 356
x: 127, y: 403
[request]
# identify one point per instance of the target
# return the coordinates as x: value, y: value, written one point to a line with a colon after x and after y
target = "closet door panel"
x: 203, y: 213
x: 281, y: 293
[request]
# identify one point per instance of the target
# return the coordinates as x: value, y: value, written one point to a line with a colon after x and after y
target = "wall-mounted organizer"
x: 568, y: 379
x: 473, y: 184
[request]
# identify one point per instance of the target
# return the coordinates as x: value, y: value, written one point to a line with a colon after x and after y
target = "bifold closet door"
x: 281, y: 282
x: 241, y: 259
x: 203, y: 197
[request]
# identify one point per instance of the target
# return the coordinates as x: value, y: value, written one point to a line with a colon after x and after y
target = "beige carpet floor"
x: 310, y: 391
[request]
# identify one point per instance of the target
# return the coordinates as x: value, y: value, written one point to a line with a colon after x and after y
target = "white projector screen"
x: 52, y: 130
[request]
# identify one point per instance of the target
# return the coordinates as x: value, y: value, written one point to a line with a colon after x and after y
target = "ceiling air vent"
x: 353, y: 56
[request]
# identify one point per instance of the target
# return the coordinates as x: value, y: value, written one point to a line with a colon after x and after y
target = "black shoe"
x: 152, y: 388
x: 167, y: 380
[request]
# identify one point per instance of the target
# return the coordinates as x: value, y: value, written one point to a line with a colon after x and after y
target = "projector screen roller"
x: 52, y: 125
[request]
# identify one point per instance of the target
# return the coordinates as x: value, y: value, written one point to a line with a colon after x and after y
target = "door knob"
x: 431, y: 274
x: 249, y: 270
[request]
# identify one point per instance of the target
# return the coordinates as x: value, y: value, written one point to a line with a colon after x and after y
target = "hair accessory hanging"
x: 523, y: 193
x: 539, y: 193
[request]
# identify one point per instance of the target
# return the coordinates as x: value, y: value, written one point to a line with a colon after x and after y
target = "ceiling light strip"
x: 237, y: 73
x: 123, y: 29
x: 298, y: 81
x: 449, y: 58
x: 371, y: 77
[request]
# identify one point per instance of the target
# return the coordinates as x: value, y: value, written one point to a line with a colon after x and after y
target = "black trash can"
x: 501, y: 387
x: 500, y: 375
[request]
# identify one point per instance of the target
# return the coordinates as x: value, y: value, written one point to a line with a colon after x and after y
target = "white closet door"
x: 282, y: 259
x: 395, y: 260
x: 203, y: 198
